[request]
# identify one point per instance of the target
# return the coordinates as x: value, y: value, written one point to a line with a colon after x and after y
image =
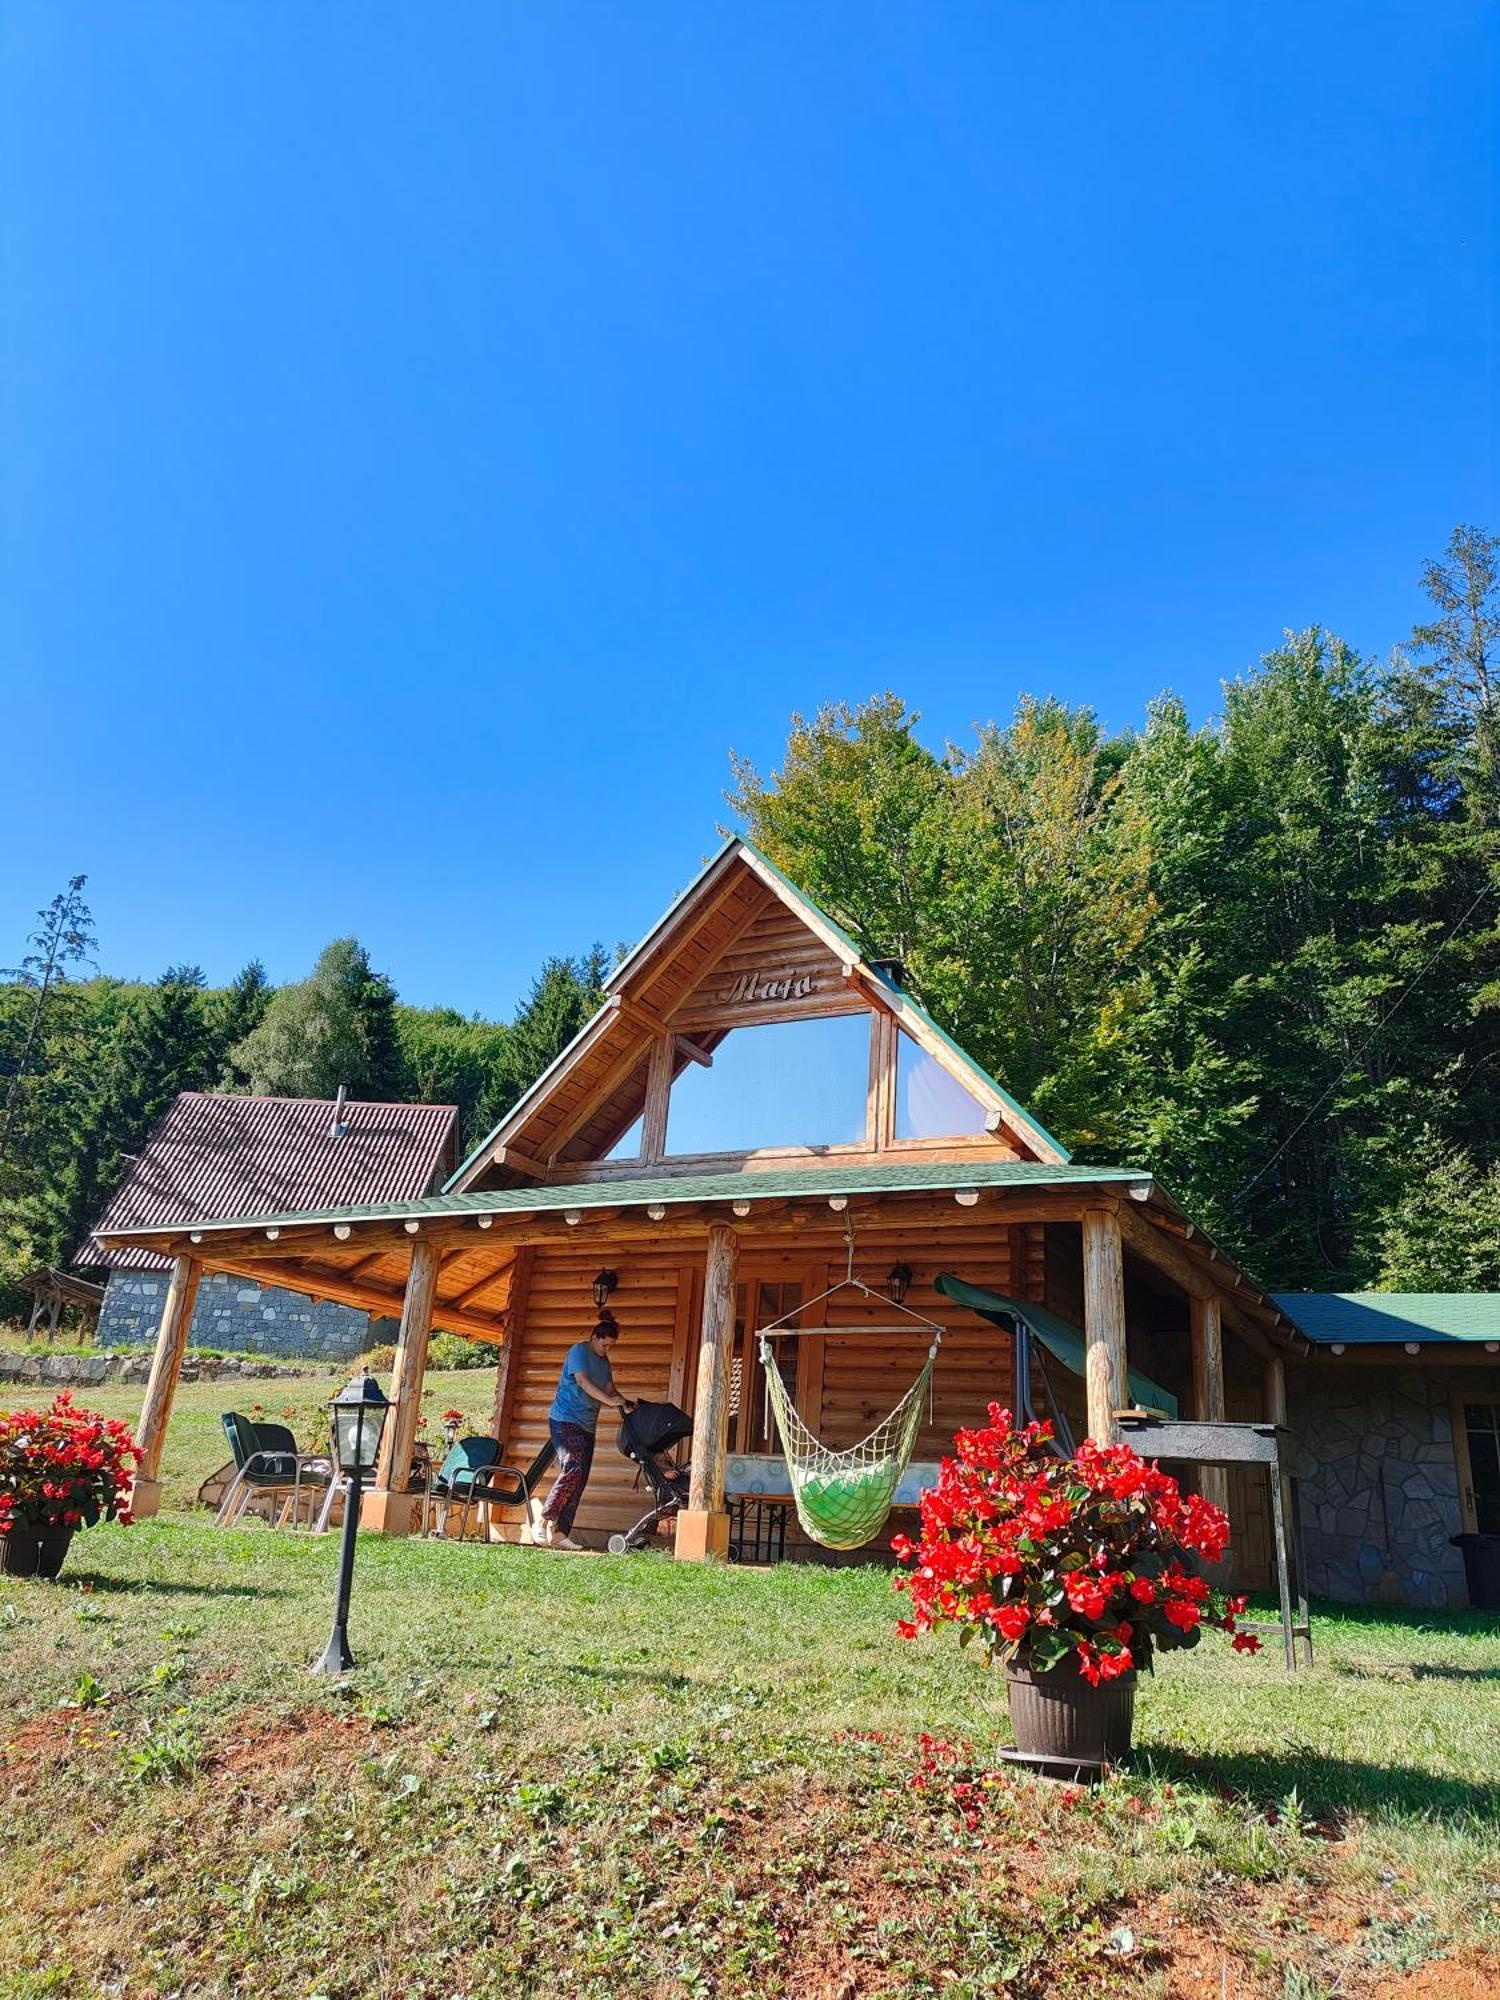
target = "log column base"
x: 702, y: 1535
x: 384, y: 1512
x: 145, y: 1498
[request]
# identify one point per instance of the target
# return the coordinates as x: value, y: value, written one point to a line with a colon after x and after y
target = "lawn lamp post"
x: 359, y: 1413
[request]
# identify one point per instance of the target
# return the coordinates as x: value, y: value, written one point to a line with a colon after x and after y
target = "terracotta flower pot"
x: 34, y: 1551
x: 1060, y: 1718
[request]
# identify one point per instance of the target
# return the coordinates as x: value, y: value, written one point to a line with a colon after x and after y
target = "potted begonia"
x: 61, y: 1469
x: 1072, y: 1573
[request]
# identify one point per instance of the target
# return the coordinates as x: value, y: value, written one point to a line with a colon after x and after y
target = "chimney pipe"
x: 339, y: 1128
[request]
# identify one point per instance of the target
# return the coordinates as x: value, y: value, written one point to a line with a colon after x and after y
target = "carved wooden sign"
x: 769, y: 986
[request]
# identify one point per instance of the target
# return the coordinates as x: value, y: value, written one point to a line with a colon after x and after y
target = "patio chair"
x: 470, y: 1476
x: 452, y: 1484
x: 268, y: 1465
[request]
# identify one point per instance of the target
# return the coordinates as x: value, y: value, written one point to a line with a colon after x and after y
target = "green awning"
x: 1060, y: 1339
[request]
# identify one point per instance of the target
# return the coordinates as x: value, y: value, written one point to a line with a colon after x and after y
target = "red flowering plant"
x: 64, y: 1467
x: 1046, y: 1560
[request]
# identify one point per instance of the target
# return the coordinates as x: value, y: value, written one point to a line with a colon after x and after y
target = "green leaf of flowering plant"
x: 1047, y: 1650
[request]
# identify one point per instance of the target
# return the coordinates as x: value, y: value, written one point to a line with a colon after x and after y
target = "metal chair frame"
x: 311, y: 1472
x: 478, y: 1492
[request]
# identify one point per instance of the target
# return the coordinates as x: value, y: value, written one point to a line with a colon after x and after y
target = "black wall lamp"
x: 604, y: 1284
x: 899, y: 1281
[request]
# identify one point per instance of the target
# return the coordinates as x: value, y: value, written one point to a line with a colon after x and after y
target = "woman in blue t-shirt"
x: 586, y: 1385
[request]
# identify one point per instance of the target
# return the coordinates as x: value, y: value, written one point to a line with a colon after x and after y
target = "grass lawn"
x: 595, y: 1776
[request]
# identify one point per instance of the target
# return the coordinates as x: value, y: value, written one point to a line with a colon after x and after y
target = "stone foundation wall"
x: 233, y: 1314
x: 89, y: 1370
x: 1373, y: 1449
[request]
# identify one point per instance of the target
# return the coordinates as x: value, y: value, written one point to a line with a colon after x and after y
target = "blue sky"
x: 431, y: 435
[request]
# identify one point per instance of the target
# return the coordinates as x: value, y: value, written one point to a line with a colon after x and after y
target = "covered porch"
x: 702, y: 1262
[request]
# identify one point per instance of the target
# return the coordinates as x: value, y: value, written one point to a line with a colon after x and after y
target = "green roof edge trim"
x: 757, y: 1184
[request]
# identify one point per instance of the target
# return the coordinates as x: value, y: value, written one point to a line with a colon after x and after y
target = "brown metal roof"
x: 256, y: 1156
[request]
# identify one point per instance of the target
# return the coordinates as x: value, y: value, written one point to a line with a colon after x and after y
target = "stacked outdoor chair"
x: 268, y: 1467
x: 471, y: 1476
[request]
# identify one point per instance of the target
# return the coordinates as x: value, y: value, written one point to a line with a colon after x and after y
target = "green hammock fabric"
x: 844, y: 1497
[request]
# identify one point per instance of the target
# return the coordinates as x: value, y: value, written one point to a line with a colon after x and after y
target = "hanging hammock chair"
x: 844, y: 1497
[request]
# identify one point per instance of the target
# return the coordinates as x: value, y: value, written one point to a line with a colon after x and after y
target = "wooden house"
x: 210, y: 1154
x: 755, y: 1097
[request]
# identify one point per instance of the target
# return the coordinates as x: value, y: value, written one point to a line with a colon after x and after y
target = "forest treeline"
x: 87, y: 1064
x: 1260, y: 956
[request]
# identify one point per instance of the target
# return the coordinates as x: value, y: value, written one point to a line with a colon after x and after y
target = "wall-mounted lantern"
x: 898, y: 1284
x: 604, y: 1284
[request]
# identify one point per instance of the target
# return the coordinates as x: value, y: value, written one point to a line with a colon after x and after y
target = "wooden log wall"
x: 655, y: 1305
x: 845, y: 1385
x: 864, y: 1377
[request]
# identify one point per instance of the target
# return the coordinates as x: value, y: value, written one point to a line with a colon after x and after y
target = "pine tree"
x: 336, y: 1027
x: 64, y: 936
x: 237, y: 1012
x: 562, y: 997
x: 1461, y: 645
x: 161, y: 1046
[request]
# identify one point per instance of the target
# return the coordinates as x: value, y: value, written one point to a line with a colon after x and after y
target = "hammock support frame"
x: 843, y: 1498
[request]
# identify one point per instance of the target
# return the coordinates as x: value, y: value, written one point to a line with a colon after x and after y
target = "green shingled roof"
x: 1368, y: 1318
x: 900, y: 1177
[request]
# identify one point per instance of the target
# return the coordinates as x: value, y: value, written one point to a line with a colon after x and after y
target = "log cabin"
x: 757, y: 1109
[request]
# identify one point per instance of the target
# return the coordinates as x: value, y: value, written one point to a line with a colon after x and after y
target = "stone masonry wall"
x: 1373, y: 1449
x: 234, y: 1315
x: 90, y: 1371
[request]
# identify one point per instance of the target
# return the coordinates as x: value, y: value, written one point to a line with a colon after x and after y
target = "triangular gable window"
x: 790, y: 1083
x: 628, y: 1145
x: 931, y: 1103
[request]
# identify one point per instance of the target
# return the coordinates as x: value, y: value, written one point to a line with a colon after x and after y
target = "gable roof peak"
x: 537, y: 1132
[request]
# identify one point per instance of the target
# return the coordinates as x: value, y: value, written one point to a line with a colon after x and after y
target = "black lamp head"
x: 359, y: 1413
x: 604, y: 1283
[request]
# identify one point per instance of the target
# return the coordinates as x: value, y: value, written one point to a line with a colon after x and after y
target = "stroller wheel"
x: 619, y: 1545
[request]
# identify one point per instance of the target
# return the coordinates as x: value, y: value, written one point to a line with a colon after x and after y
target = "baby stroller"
x: 647, y: 1434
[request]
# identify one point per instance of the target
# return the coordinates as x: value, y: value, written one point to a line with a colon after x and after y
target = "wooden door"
x: 760, y: 1299
x: 1476, y: 1447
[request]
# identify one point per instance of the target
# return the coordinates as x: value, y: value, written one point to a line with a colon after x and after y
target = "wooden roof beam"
x: 382, y: 1299
x: 1163, y: 1251
x: 467, y: 1297
x: 782, y: 1213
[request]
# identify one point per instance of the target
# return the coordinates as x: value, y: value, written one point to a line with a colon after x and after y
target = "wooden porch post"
x: 506, y: 1375
x: 388, y: 1506
x: 1275, y: 1388
x: 703, y: 1525
x: 1206, y: 1325
x: 1104, y: 1321
x: 161, y: 1386
x: 1273, y: 1381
